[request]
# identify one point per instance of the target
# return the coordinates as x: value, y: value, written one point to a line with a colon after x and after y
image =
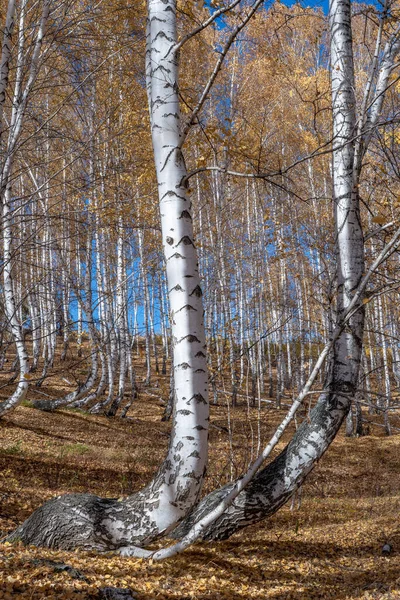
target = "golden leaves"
x: 330, y: 548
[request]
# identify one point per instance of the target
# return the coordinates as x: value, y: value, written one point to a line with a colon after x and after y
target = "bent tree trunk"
x: 82, y: 520
x: 277, y: 481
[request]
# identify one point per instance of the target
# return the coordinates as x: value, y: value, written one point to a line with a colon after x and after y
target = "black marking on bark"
x: 183, y: 366
x: 190, y: 338
x: 199, y: 371
x: 199, y: 428
x: 194, y: 454
x: 186, y: 241
x: 156, y: 18
x: 164, y: 70
x: 187, y: 307
x: 199, y: 399
x: 177, y: 255
x: 200, y: 354
x: 179, y: 446
x: 162, y: 34
x: 189, y: 437
x: 185, y: 215
x: 185, y: 413
x: 169, y: 240
x: 177, y: 288
x: 170, y: 193
x: 196, y: 292
x: 189, y: 276
x: 192, y: 475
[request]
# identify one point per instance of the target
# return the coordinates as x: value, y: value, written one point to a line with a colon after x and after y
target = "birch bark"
x: 20, y: 99
x: 273, y: 485
x: 82, y: 520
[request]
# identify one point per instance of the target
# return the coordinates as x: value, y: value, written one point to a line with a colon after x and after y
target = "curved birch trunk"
x: 274, y: 485
x: 97, y: 393
x: 82, y: 520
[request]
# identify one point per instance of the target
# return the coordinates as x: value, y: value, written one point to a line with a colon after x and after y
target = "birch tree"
x: 21, y: 96
x: 273, y: 485
x: 82, y: 520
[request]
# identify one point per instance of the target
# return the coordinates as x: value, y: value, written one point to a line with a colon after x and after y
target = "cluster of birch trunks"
x: 255, y: 273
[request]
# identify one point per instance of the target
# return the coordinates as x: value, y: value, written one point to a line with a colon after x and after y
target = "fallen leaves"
x: 330, y: 548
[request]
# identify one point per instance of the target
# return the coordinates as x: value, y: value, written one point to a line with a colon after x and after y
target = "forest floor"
x: 329, y: 547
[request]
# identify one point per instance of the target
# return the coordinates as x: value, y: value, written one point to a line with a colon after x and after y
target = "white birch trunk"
x: 278, y: 480
x: 20, y: 98
x: 188, y: 338
x: 11, y: 310
x: 87, y: 521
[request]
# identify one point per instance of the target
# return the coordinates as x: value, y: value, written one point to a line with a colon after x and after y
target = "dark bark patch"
x: 186, y: 241
x: 196, y: 292
x: 176, y: 255
x: 170, y: 194
x: 161, y: 34
x: 194, y: 454
x: 190, y: 338
x: 199, y: 399
x: 187, y: 307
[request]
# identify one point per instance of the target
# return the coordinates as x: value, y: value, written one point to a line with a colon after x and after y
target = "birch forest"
x: 199, y: 297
